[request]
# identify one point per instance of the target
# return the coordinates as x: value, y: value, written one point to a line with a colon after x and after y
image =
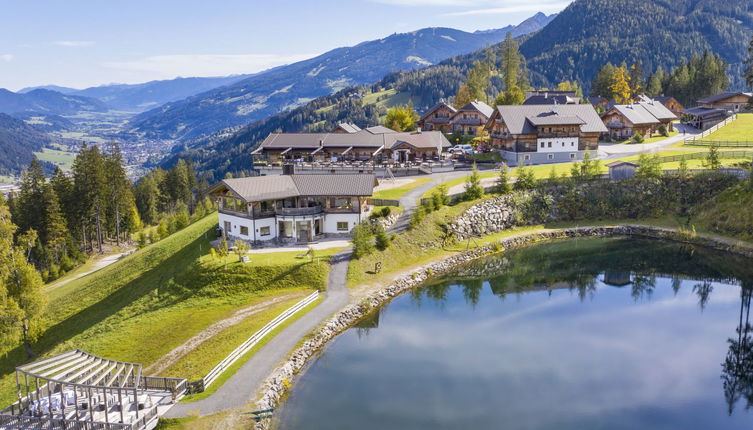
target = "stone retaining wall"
x: 281, y: 380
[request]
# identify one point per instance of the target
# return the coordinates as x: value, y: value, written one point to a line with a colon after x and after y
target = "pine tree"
x: 473, y: 188
x: 29, y: 206
x: 22, y: 300
x: 511, y: 61
x: 89, y: 187
x: 603, y: 81
x: 503, y: 181
x: 636, y: 80
x: 118, y: 192
x: 712, y: 161
x: 55, y: 230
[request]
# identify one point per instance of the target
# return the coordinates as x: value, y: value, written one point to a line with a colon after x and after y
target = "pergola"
x: 80, y: 387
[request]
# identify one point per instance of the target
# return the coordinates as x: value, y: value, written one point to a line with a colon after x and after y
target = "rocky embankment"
x: 281, y: 380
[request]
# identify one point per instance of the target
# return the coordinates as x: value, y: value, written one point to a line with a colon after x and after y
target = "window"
x: 572, y: 156
x: 342, y: 226
x: 244, y: 230
x: 542, y: 144
x: 550, y: 144
x: 572, y: 143
x: 526, y: 157
x: 264, y: 231
x: 550, y: 156
x: 341, y: 203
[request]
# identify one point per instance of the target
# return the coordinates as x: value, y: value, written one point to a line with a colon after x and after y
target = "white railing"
x: 713, y: 129
x: 256, y: 337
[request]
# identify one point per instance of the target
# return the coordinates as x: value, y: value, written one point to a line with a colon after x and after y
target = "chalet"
x: 345, y: 127
x: 730, y: 101
x: 373, y: 144
x: 470, y: 119
x: 671, y: 103
x: 438, y: 118
x: 534, y: 134
x: 292, y: 208
x: 704, y: 118
x: 643, y: 118
x: 551, y: 98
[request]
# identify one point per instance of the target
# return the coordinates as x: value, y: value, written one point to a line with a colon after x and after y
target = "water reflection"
x: 616, y: 334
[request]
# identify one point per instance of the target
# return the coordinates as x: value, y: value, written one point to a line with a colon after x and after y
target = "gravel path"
x: 243, y: 386
x: 99, y: 264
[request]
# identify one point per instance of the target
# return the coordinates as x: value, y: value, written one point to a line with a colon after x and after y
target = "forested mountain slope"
x: 287, y: 87
x: 48, y: 101
x: 18, y: 141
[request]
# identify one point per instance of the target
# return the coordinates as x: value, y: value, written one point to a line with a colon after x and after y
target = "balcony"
x: 299, y: 211
x: 551, y: 135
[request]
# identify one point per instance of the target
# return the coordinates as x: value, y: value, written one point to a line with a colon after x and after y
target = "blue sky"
x: 82, y: 43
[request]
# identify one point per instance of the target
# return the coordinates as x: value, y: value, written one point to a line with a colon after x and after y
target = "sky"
x: 83, y: 43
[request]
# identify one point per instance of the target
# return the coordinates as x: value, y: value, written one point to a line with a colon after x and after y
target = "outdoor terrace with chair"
x: 80, y: 390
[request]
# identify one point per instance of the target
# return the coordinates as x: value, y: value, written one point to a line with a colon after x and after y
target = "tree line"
x: 62, y: 220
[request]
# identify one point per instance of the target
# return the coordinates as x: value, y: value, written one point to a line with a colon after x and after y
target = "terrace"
x: 80, y: 390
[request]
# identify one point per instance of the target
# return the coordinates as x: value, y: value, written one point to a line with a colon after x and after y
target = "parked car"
x: 483, y: 147
x: 462, y: 149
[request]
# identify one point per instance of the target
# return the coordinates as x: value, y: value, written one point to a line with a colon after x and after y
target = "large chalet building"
x: 470, y: 119
x: 537, y: 134
x: 730, y: 101
x: 438, y: 118
x: 292, y: 208
x: 643, y: 118
x: 375, y: 144
x: 712, y: 110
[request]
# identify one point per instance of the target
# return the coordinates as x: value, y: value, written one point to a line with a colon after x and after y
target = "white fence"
x: 256, y: 337
x: 712, y: 129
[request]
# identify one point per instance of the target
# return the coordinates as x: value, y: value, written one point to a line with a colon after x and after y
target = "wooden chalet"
x: 730, y: 101
x: 671, y: 103
x: 345, y: 127
x: 704, y: 118
x: 470, y: 119
x: 534, y: 134
x: 373, y: 144
x: 643, y: 118
x: 438, y: 118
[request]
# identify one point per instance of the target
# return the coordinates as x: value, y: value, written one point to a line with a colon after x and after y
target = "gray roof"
x: 636, y: 113
x: 551, y: 99
x: 360, y: 139
x: 704, y: 111
x: 379, y: 129
x: 260, y: 188
x: 478, y: 106
x: 519, y: 118
x: 621, y: 163
x: 437, y: 106
x: 553, y: 119
x: 348, y: 127
x: 723, y: 96
x: 656, y: 108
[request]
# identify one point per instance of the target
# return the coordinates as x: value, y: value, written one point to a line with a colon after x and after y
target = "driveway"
x: 619, y: 150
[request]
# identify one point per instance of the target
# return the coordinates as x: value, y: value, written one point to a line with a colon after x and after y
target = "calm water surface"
x: 589, y: 334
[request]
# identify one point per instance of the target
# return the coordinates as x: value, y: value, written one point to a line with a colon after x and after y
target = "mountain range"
x: 141, y: 97
x: 578, y: 41
x: 18, y: 141
x: 286, y: 87
x: 48, y: 101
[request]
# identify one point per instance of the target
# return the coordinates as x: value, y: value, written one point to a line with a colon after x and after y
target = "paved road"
x: 612, y: 150
x: 245, y: 383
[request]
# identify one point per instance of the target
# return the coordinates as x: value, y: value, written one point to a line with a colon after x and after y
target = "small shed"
x: 622, y: 169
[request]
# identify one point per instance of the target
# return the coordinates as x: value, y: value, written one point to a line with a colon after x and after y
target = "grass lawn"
x: 61, y: 158
x: 145, y: 305
x: 739, y: 130
x: 653, y: 139
x: 396, y: 193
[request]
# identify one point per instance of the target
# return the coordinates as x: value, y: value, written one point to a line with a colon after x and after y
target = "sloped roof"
x: 360, y: 139
x: 82, y: 368
x: 723, y: 96
x: 554, y: 119
x: 621, y: 163
x: 348, y: 127
x: 519, y: 118
x: 636, y: 113
x: 478, y: 106
x: 704, y: 111
x: 379, y: 129
x: 259, y: 188
x: 437, y: 106
x: 551, y: 99
x: 656, y: 108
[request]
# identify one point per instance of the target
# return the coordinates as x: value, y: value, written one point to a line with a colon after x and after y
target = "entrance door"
x: 226, y: 230
x: 317, y: 227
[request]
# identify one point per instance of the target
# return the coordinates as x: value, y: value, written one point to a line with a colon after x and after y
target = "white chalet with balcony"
x: 292, y: 208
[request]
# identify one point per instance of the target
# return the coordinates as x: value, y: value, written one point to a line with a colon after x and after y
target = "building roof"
x: 379, y: 129
x: 621, y: 163
x: 723, y: 96
x: 635, y: 113
x: 551, y: 99
x: 520, y: 119
x: 437, y: 106
x: 348, y: 127
x: 360, y: 139
x: 81, y: 368
x: 656, y: 108
x: 705, y: 111
x: 478, y: 106
x: 554, y: 119
x: 260, y: 188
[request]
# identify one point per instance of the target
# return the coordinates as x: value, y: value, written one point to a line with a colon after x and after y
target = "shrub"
x: 386, y: 211
x: 66, y: 264
x: 525, y: 179
x: 417, y: 217
x: 663, y: 130
x: 382, y: 240
x: 637, y: 138
x: 142, y: 239
x: 503, y: 181
x: 362, y: 236
x: 473, y: 188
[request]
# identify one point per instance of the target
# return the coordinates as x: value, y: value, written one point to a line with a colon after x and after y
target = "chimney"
x: 546, y: 95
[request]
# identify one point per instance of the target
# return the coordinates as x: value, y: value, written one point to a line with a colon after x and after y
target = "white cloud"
x: 206, y: 64
x: 6, y: 57
x: 540, y: 7
x: 73, y: 43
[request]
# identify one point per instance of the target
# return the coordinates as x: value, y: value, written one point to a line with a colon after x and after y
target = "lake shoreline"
x: 280, y: 383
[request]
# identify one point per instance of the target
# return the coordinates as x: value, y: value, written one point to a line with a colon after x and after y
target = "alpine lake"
x: 607, y: 333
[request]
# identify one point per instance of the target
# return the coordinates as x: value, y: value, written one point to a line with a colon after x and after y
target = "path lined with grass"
x: 243, y: 386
